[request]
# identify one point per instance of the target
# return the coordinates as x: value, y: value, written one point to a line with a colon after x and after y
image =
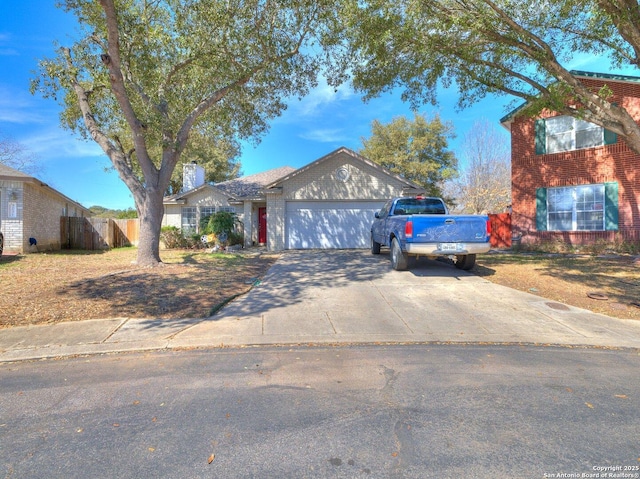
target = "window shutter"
x: 541, y: 140
x: 541, y: 209
x: 611, y: 206
x: 610, y: 137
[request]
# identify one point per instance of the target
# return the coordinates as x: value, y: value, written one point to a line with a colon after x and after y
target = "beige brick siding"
x: 38, y: 210
x: 322, y: 183
x: 206, y: 197
x: 42, y: 212
x: 172, y: 215
x: 11, y: 227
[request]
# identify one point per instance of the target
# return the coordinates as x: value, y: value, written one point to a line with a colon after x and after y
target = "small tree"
x: 484, y: 185
x: 415, y: 150
x: 17, y: 156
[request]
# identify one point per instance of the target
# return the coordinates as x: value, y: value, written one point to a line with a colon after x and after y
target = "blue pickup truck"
x: 421, y: 226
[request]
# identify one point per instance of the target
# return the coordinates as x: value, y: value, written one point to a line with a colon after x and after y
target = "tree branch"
x: 113, y: 62
x: 116, y: 155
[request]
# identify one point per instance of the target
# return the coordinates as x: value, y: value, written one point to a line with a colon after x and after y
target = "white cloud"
x: 325, y: 135
x: 318, y: 100
x: 5, y: 52
x: 18, y: 107
x: 58, y: 143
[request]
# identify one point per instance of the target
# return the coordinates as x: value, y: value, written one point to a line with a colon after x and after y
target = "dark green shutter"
x: 541, y: 139
x: 541, y: 209
x: 610, y: 137
x: 611, y: 206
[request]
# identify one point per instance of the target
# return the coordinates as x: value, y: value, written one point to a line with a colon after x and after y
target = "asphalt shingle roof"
x: 8, y: 171
x: 252, y: 185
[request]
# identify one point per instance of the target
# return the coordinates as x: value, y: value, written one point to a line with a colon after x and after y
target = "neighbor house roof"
x: 11, y: 174
x: 508, y: 118
x: 8, y: 173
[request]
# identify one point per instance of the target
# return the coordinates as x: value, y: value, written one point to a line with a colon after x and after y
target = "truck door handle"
x: 449, y: 221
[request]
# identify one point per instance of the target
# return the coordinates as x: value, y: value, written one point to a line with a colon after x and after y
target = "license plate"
x: 448, y: 246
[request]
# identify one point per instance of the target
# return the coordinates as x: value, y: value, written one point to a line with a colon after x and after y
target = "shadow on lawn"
x: 186, y: 290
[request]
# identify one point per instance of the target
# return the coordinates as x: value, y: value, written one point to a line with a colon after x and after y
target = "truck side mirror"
x: 377, y: 215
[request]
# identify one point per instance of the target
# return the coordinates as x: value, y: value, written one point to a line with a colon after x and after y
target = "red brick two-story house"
x: 572, y: 180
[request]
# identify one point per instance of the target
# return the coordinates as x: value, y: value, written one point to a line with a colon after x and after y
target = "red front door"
x: 262, y: 225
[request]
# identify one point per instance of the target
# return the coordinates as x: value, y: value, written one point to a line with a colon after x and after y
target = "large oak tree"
x: 517, y: 47
x: 144, y: 73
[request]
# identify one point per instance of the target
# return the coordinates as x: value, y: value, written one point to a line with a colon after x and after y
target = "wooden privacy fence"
x: 500, y: 230
x: 97, y: 233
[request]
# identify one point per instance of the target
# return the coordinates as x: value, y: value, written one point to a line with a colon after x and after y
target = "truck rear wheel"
x: 465, y: 261
x: 399, y: 260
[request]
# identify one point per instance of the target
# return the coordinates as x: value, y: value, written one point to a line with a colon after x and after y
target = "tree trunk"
x: 150, y: 212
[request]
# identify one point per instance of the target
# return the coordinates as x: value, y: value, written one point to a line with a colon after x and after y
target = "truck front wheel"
x: 399, y: 260
x: 375, y: 246
x: 465, y: 261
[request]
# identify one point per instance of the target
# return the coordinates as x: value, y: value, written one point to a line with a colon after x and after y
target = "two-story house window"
x: 577, y: 208
x: 566, y: 133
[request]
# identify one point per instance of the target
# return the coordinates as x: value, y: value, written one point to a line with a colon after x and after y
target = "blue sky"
x: 308, y: 129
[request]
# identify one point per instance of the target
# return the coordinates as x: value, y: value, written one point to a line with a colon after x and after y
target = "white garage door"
x: 330, y: 224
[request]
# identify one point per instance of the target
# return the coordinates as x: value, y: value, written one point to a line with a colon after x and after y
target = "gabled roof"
x: 8, y: 173
x: 333, y: 154
x: 11, y: 174
x: 578, y: 74
x: 251, y: 186
x: 246, y: 187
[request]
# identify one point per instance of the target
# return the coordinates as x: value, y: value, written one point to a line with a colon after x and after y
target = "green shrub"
x: 172, y: 237
x: 235, y: 238
x: 220, y: 222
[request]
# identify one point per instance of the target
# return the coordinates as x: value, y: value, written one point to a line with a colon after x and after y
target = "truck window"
x: 385, y: 210
x: 420, y: 206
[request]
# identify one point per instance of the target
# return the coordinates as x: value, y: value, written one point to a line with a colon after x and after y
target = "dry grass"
x: 76, y: 285
x: 569, y: 279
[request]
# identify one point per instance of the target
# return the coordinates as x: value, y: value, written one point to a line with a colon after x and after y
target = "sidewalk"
x: 341, y: 297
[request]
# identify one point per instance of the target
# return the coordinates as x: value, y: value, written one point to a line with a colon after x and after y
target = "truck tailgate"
x: 449, y: 228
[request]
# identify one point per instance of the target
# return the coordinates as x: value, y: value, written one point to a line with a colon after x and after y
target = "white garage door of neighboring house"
x: 330, y: 224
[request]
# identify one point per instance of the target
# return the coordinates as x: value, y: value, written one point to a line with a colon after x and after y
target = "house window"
x: 566, y: 133
x: 207, y: 211
x: 189, y: 219
x: 577, y: 208
x: 12, y: 209
x: 228, y: 209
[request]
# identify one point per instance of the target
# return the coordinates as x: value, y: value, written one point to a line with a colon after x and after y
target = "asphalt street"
x: 398, y: 411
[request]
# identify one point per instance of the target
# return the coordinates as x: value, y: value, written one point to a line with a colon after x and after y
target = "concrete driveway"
x: 353, y: 296
x: 332, y: 297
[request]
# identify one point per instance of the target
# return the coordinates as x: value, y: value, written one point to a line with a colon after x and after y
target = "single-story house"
x: 573, y: 181
x: 330, y: 203
x: 29, y: 209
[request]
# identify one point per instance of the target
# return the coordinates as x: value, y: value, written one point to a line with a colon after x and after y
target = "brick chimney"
x: 192, y: 176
